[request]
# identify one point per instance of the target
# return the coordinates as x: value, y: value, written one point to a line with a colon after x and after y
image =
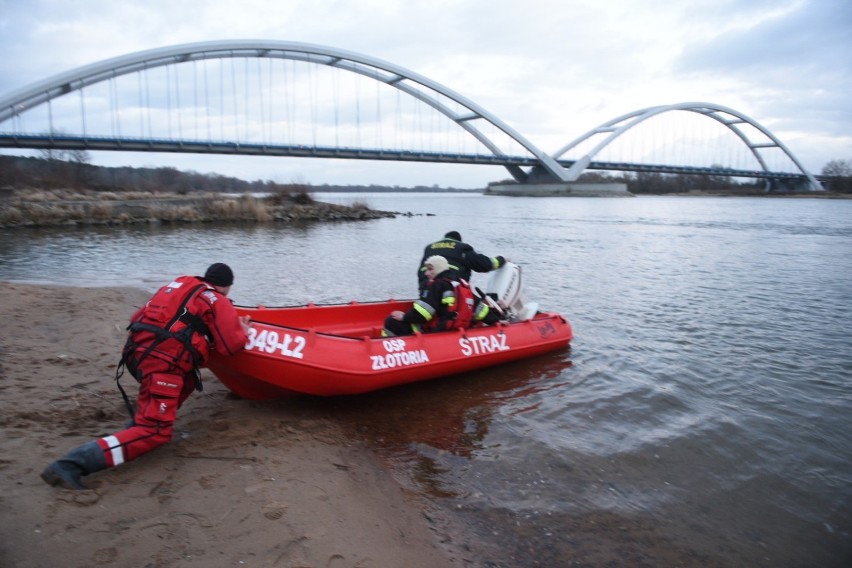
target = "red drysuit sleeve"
x: 229, y: 337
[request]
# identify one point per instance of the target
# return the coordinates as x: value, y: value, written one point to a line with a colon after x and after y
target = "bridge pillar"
x: 559, y: 189
x: 789, y: 185
x: 540, y: 182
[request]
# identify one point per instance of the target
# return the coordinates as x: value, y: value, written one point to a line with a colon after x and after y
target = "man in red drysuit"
x: 170, y: 337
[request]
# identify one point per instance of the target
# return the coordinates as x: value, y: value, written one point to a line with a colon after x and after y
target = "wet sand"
x: 242, y: 483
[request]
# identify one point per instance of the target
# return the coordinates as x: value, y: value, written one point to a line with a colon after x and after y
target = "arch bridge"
x: 257, y: 104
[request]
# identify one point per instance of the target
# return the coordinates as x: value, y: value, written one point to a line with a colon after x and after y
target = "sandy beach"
x: 241, y: 484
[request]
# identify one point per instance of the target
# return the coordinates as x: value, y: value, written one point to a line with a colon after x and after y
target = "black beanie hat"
x: 219, y: 274
x: 453, y: 235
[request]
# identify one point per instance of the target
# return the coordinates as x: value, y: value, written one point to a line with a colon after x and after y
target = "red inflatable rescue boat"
x: 329, y: 350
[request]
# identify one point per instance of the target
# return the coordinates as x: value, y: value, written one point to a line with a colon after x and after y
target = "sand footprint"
x: 105, y: 556
x: 275, y: 510
x: 208, y: 481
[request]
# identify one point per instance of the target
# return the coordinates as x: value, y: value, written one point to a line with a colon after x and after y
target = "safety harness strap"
x: 194, y: 324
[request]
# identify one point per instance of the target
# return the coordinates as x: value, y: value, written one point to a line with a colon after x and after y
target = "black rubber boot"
x: 67, y: 470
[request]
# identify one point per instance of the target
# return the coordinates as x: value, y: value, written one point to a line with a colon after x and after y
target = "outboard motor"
x: 506, y: 286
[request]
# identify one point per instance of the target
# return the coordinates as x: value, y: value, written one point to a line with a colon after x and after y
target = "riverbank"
x: 46, y: 208
x: 21, y: 208
x: 242, y: 483
x: 770, y: 195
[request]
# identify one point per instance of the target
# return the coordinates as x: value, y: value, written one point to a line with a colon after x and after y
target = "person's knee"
x: 393, y: 327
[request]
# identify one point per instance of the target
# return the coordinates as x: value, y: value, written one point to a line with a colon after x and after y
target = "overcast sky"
x: 551, y: 69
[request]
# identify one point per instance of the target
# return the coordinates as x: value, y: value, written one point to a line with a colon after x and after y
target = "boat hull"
x: 338, y: 350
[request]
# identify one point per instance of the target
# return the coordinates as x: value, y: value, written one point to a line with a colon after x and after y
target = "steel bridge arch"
x: 618, y: 126
x: 377, y: 69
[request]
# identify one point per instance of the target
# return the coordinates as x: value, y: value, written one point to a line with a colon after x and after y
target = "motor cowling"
x: 506, y: 285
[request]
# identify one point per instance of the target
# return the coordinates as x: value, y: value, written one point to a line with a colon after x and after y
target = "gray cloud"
x: 811, y: 40
x: 794, y: 68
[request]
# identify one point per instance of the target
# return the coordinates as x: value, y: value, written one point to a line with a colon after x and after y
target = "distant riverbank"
x: 59, y: 207
x: 732, y: 193
x: 48, y: 208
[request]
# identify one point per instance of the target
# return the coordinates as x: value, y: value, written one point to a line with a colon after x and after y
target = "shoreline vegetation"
x: 72, y: 208
x: 39, y: 208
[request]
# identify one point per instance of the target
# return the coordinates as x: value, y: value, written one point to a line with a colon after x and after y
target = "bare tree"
x: 840, y: 172
x: 840, y: 168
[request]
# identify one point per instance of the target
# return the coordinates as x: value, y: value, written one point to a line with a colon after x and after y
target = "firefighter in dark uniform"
x: 461, y: 257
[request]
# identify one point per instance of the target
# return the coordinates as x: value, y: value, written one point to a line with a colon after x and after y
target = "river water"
x: 702, y: 417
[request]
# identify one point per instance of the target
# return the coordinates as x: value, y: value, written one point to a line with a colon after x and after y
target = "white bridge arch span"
x: 393, y: 75
x: 730, y: 118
